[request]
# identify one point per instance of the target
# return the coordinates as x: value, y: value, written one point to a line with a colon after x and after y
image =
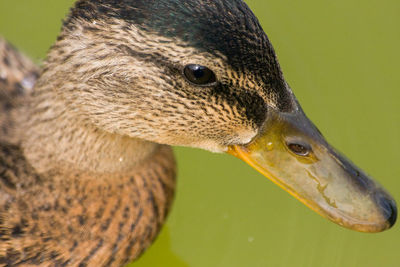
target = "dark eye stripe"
x: 199, y: 74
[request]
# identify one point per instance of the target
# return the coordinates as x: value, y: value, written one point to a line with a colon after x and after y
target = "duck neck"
x: 55, y: 137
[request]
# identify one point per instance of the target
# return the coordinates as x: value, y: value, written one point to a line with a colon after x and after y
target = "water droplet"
x: 28, y: 83
x: 270, y: 146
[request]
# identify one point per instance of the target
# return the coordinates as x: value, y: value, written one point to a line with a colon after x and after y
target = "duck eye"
x: 199, y: 75
x: 298, y: 149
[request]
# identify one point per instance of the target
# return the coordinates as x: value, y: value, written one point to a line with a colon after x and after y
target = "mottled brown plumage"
x: 69, y: 217
x: 80, y: 218
x: 83, y: 179
x: 17, y: 78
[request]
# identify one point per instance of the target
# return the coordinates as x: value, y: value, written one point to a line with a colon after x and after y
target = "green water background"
x: 342, y: 60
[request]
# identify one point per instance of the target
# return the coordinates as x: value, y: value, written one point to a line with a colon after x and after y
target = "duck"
x: 87, y: 173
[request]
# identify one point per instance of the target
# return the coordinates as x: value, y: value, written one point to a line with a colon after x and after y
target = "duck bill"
x: 292, y: 153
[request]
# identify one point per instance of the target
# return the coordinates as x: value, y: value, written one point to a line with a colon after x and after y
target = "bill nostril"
x: 299, y: 149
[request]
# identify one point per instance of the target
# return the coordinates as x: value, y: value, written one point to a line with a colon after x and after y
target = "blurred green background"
x: 342, y: 60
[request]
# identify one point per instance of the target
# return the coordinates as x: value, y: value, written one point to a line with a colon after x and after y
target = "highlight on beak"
x: 291, y: 152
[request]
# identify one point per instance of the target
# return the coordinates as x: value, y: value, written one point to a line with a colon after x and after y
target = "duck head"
x: 204, y: 74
